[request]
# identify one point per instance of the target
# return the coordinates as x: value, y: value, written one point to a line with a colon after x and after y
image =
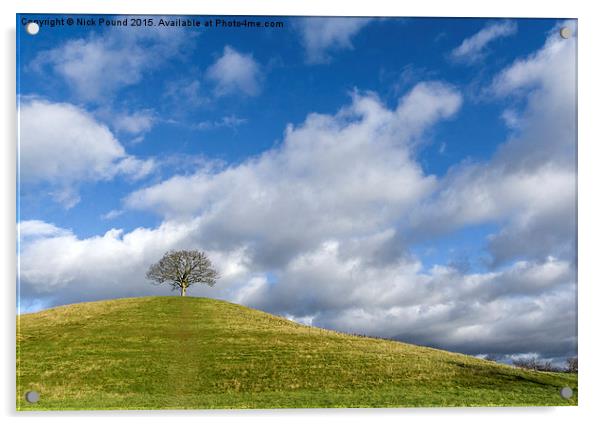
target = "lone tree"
x: 183, y: 268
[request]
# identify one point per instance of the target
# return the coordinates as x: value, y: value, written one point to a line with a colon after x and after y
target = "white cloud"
x: 283, y: 190
x: 511, y: 118
x: 472, y: 48
x: 322, y: 36
x: 440, y: 307
x: 228, y: 121
x: 135, y: 168
x: 63, y: 145
x: 131, y: 125
x: 96, y: 66
x: 235, y: 72
x: 38, y: 228
x: 536, y: 71
x: 135, y: 123
x: 67, y: 196
x: 483, y: 193
x: 185, y: 93
x: 530, y: 184
x: 112, y: 214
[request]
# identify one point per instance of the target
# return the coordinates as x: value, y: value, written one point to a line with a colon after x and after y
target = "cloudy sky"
x: 406, y: 178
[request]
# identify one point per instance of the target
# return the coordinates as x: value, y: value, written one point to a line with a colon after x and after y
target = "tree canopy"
x: 183, y: 268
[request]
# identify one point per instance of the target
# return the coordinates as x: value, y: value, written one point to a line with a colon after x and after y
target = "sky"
x: 409, y: 178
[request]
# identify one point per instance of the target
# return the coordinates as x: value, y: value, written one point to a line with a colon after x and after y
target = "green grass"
x: 198, y: 353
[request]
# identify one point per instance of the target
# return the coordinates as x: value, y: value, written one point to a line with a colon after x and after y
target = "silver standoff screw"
x: 566, y: 393
x: 32, y: 396
x: 32, y: 28
x: 565, y: 32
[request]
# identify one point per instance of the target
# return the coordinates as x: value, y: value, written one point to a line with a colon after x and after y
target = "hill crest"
x: 187, y: 352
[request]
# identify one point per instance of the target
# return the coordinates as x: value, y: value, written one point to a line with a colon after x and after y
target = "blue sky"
x: 392, y: 152
x: 291, y: 90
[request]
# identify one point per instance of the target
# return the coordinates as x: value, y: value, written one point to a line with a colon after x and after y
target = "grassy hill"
x: 198, y: 353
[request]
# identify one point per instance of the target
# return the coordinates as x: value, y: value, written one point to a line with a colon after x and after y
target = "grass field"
x: 198, y: 353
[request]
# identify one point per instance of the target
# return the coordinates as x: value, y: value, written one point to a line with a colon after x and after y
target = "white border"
x: 590, y: 283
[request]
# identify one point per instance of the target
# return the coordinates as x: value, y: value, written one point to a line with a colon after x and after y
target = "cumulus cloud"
x: 321, y: 36
x: 479, y: 312
x: 531, y: 183
x: 62, y: 145
x: 334, y: 174
x: 235, y: 72
x: 473, y: 47
x: 96, y: 66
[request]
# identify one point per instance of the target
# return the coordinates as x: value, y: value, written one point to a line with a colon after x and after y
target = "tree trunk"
x: 183, y: 291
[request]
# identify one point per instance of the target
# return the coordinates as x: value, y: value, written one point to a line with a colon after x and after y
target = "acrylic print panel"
x: 280, y: 212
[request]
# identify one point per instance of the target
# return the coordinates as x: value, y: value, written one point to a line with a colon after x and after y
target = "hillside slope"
x: 197, y: 353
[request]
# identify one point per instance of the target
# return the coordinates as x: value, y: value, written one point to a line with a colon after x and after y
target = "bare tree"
x: 182, y: 269
x: 571, y: 365
x: 533, y: 363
